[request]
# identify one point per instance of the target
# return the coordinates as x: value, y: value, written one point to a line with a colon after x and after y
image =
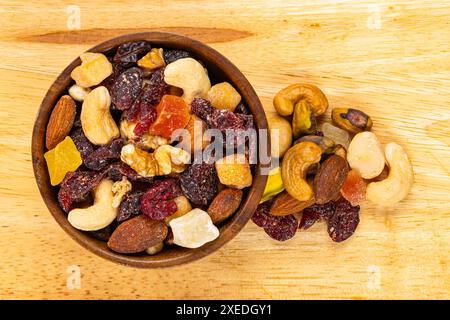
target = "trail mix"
x: 120, y: 174
x: 326, y: 169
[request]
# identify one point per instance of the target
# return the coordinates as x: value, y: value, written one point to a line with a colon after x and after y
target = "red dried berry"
x: 344, y: 221
x: 199, y: 183
x: 157, y: 202
x: 280, y: 228
x: 146, y: 118
x: 119, y: 169
x: 130, y: 206
x: 84, y: 146
x: 103, y: 156
x: 315, y: 213
x: 76, y: 187
x: 129, y: 53
x: 126, y: 88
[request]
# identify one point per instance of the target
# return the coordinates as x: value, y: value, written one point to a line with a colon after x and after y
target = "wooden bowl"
x: 220, y: 69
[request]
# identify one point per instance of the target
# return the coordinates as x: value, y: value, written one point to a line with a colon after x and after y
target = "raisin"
x: 280, y: 228
x: 84, y: 146
x: 156, y: 88
x: 130, y: 206
x: 200, y: 183
x: 129, y: 53
x: 173, y: 55
x: 126, y: 88
x: 146, y: 118
x: 315, y: 213
x: 157, y: 203
x: 242, y: 109
x: 76, y: 187
x: 119, y: 169
x: 103, y: 156
x: 344, y: 221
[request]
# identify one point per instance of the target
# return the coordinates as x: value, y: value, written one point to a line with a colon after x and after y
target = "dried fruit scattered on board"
x: 326, y: 169
x: 120, y: 175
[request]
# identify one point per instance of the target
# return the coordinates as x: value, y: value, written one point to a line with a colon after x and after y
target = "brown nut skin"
x: 137, y: 234
x: 285, y: 100
x: 61, y: 121
x: 225, y: 204
x: 330, y: 179
x: 284, y: 204
x: 326, y: 144
x: 352, y: 120
x: 294, y: 167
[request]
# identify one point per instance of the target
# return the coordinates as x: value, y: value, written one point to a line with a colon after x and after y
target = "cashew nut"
x: 398, y: 184
x: 96, y: 120
x: 285, y: 100
x: 189, y: 75
x: 94, y: 68
x: 165, y: 160
x: 295, y: 164
x: 119, y: 189
x: 100, y: 214
x: 78, y: 93
x: 365, y: 154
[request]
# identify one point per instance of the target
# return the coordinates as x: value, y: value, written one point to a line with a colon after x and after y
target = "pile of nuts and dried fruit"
x: 326, y: 170
x: 121, y: 178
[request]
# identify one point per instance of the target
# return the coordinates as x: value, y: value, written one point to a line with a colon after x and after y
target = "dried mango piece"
x: 64, y: 158
x: 152, y: 60
x: 94, y: 68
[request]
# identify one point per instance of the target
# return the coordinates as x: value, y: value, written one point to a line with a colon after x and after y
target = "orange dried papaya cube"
x: 173, y: 113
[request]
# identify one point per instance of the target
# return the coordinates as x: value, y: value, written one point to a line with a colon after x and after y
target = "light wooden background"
x: 391, y: 59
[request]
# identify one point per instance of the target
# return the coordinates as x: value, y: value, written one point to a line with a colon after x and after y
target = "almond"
x: 329, y: 179
x: 225, y: 204
x: 61, y: 121
x: 137, y: 235
x: 284, y: 204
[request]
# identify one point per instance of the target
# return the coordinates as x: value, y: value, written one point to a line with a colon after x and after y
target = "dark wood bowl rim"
x: 180, y: 256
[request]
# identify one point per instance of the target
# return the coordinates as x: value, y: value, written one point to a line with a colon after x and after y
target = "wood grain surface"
x: 391, y: 59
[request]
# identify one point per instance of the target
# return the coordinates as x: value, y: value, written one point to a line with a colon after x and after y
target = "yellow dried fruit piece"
x: 183, y: 207
x: 152, y: 60
x: 224, y: 96
x: 94, y: 68
x: 64, y: 158
x: 234, y: 171
x: 274, y: 184
x: 294, y: 167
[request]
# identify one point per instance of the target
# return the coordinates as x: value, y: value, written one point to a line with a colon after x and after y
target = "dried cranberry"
x: 261, y: 216
x: 129, y: 53
x: 278, y: 228
x: 130, y: 206
x: 126, y: 88
x: 200, y: 183
x: 76, y: 187
x: 315, y: 213
x: 84, y: 146
x: 155, y: 88
x: 146, y: 118
x: 173, y: 55
x: 157, y: 202
x: 344, y: 221
x: 103, y: 156
x: 282, y: 228
x: 119, y: 169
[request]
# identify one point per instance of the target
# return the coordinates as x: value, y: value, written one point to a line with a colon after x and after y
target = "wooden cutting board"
x: 391, y: 60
